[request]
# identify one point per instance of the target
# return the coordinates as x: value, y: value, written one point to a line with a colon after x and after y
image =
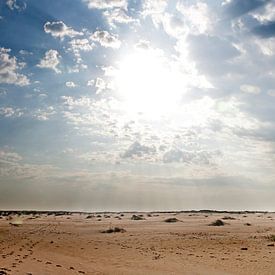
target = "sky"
x: 111, y: 105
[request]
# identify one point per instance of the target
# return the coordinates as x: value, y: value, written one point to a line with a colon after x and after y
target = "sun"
x: 147, y: 83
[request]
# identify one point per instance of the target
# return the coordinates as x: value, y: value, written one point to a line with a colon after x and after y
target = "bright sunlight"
x: 146, y: 83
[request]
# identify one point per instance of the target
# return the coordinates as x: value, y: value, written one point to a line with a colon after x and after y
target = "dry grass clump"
x: 217, y: 223
x: 271, y: 238
x: 228, y: 218
x: 169, y: 220
x: 114, y: 230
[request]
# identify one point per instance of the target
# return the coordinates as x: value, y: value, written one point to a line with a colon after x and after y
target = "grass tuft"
x: 114, y: 230
x: 217, y: 223
x: 169, y: 220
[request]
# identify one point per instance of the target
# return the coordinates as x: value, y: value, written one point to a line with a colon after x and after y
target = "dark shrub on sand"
x: 217, y: 223
x: 171, y: 220
x: 247, y: 224
x: 89, y: 216
x: 137, y: 217
x: 114, y: 230
x: 228, y: 218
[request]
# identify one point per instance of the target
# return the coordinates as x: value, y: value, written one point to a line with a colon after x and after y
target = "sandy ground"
x: 73, y: 244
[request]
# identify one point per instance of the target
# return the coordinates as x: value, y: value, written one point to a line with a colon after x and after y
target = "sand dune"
x: 186, y: 244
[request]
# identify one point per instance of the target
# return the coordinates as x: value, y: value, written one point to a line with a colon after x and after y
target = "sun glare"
x: 146, y: 83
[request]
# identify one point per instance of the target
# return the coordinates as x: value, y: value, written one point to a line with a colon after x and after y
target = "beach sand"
x: 75, y: 244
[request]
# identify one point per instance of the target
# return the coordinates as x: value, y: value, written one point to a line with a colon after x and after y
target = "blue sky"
x: 137, y: 105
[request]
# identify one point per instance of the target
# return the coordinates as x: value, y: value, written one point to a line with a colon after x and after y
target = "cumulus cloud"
x: 106, y: 4
x: 44, y: 114
x: 70, y: 84
x: 138, y: 151
x: 250, y: 89
x: 50, y: 60
x: 266, y: 46
x: 60, y: 29
x: 11, y: 112
x: 155, y: 9
x: 78, y: 45
x: 190, y: 157
x: 16, y: 5
x: 143, y: 45
x: 9, y: 69
x: 106, y: 39
x: 197, y: 16
x: 81, y: 45
x: 154, y: 6
x: 114, y: 16
x: 90, y: 82
x: 8, y: 156
x: 265, y: 14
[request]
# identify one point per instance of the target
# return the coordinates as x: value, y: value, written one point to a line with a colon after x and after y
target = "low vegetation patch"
x: 217, y: 223
x: 114, y: 230
x: 247, y: 224
x: 137, y: 217
x: 169, y: 220
x: 271, y: 238
x: 228, y: 218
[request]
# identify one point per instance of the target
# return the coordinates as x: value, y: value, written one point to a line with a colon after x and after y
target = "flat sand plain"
x: 75, y: 244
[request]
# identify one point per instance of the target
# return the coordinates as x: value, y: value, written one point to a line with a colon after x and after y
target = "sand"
x: 73, y: 244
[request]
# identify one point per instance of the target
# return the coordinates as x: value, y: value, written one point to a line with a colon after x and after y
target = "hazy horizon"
x: 119, y: 105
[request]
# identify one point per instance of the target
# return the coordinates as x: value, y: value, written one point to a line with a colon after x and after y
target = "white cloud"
x: 106, y: 39
x: 14, y: 5
x: 190, y: 157
x: 60, y: 29
x: 266, y: 14
x: 143, y: 45
x: 70, y: 84
x: 139, y: 151
x: 100, y: 84
x: 118, y: 16
x: 106, y: 4
x: 266, y: 46
x: 6, y: 155
x: 24, y: 52
x: 81, y: 45
x: 174, y: 25
x: 10, y: 112
x: 44, y: 114
x: 250, y: 89
x: 91, y: 82
x: 154, y: 9
x: 50, y: 61
x: 198, y: 16
x: 8, y: 69
x: 78, y: 45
